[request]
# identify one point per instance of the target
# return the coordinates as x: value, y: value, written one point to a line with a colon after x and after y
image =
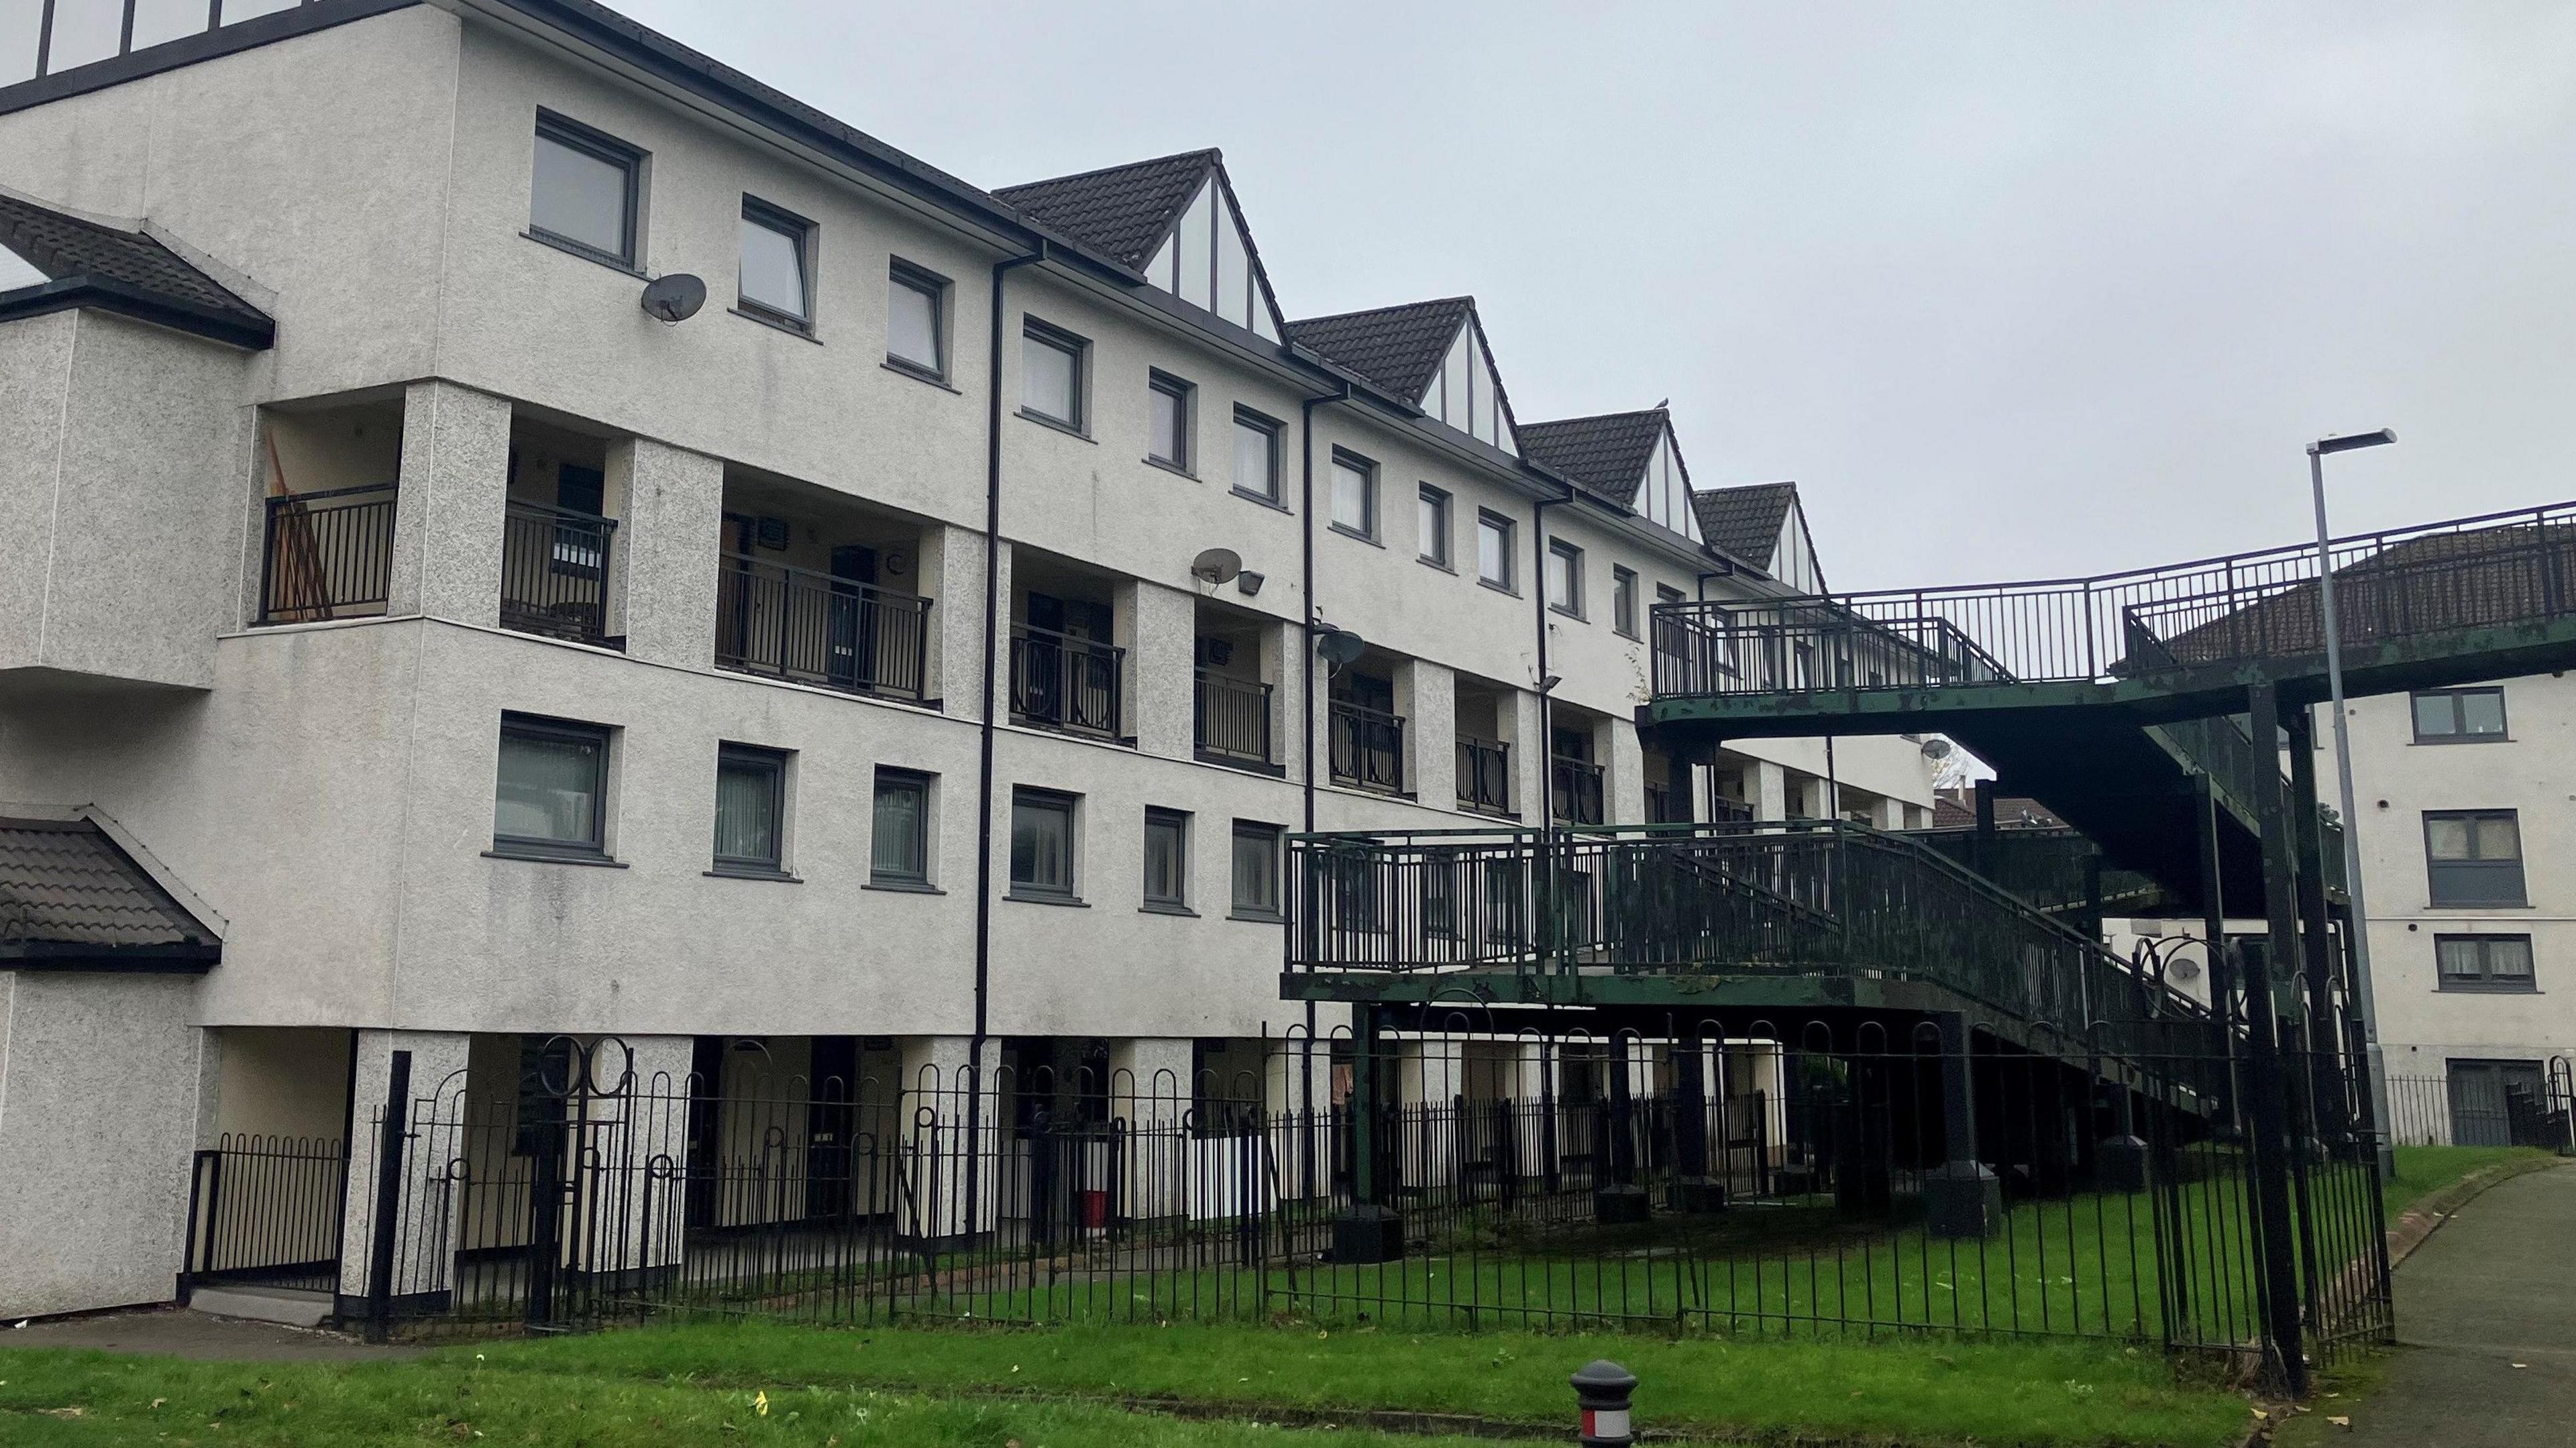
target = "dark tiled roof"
x: 1957, y: 809
x: 1606, y: 454
x: 117, y: 265
x: 1745, y: 522
x: 1397, y: 348
x: 67, y: 890
x: 1121, y: 211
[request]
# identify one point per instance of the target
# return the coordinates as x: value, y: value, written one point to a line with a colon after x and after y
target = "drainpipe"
x: 1547, y: 703
x: 1306, y: 690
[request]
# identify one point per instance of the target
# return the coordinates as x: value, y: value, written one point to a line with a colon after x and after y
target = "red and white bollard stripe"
x: 1602, y: 1390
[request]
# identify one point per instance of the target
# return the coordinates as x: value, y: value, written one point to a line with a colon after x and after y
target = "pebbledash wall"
x: 327, y: 789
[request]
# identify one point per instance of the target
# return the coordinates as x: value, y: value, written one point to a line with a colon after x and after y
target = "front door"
x: 829, y: 1122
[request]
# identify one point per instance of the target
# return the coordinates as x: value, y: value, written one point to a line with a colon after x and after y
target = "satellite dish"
x: 1216, y: 566
x: 1936, y: 749
x: 1340, y: 646
x: 675, y: 298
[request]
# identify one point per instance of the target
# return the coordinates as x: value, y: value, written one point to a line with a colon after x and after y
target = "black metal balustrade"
x: 1059, y: 681
x: 812, y: 628
x: 1367, y: 747
x: 1724, y: 811
x: 327, y: 555
x: 1484, y: 776
x: 554, y: 572
x: 1231, y: 719
x: 266, y: 1209
x: 1575, y: 791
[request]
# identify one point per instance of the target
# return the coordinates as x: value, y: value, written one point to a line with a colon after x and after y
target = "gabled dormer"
x: 1765, y: 525
x: 1174, y: 219
x: 1630, y: 458
x: 1432, y: 354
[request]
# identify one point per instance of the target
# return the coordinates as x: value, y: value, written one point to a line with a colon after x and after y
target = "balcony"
x: 1484, y: 777
x: 1667, y: 805
x: 554, y: 572
x: 782, y: 622
x: 1724, y: 811
x: 1061, y: 681
x: 327, y: 555
x: 1574, y: 787
x: 1231, y: 720
x: 1367, y: 747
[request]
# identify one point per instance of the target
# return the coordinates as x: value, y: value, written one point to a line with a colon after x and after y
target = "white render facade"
x: 317, y: 785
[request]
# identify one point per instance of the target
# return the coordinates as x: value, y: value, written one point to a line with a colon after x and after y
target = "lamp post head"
x: 2324, y: 445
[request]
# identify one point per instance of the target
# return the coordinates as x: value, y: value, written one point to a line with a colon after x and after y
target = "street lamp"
x: 2359, y: 921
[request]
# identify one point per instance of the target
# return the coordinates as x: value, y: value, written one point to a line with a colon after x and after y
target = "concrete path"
x: 2486, y: 1313
x: 177, y: 1332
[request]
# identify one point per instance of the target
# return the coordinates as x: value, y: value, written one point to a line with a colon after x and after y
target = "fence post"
x: 389, y: 1179
x: 2265, y: 1082
x: 205, y: 1200
x: 1370, y: 1230
x: 1961, y: 1198
x: 1603, y: 1390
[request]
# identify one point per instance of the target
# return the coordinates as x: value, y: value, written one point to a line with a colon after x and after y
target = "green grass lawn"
x: 2424, y: 1170
x: 703, y: 1382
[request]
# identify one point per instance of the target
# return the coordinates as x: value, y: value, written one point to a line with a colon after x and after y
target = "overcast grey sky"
x: 2010, y: 289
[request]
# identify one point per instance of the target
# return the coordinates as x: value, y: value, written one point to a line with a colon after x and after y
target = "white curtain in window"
x: 549, y: 790
x: 747, y: 812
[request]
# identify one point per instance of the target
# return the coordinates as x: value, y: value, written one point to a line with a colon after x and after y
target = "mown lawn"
x: 2424, y: 1170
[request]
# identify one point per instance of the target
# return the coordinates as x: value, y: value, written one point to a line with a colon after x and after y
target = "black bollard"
x: 1602, y: 1389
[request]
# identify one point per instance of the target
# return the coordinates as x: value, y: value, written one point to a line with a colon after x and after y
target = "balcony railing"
x: 1367, y: 747
x: 1575, y: 789
x: 1484, y: 776
x: 1059, y: 681
x: 812, y: 628
x: 1667, y: 804
x: 1724, y: 811
x: 1231, y: 719
x: 327, y: 555
x: 554, y: 572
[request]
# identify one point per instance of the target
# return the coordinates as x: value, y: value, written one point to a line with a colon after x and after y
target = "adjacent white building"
x: 413, y: 643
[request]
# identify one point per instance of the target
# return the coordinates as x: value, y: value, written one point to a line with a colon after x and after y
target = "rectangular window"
x: 1623, y: 601
x: 899, y: 840
x: 1256, y: 456
x: 1171, y: 441
x: 1432, y: 521
x: 751, y: 809
x: 1354, y: 494
x: 1051, y: 374
x: 584, y: 190
x: 2474, y: 857
x: 1042, y: 844
x: 917, y: 321
x: 1494, y: 550
x: 550, y: 796
x: 1564, y: 577
x: 1167, y: 860
x: 777, y: 265
x: 2457, y: 716
x: 2484, y: 962
x: 1256, y: 870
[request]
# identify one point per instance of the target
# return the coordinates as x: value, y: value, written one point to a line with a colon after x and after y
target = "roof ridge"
x: 1466, y: 299
x: 1215, y: 155
x: 1603, y: 416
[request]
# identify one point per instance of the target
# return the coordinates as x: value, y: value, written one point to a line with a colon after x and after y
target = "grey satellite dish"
x: 675, y: 298
x: 1936, y: 748
x: 1340, y: 646
x: 1216, y: 566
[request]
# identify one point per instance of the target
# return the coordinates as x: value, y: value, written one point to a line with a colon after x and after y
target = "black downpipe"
x: 1546, y: 742
x: 1306, y: 690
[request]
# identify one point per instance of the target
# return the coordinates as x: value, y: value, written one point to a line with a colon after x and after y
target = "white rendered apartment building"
x: 410, y: 643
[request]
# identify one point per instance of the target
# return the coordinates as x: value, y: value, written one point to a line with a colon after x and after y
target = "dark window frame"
x: 1273, y: 838
x: 538, y: 726
x: 1573, y: 555
x: 775, y: 762
x: 2459, y: 733
x: 1077, y: 347
x: 921, y: 786
x: 598, y: 145
x: 901, y: 273
x: 1623, y: 601
x: 1070, y: 806
x: 1273, y: 429
x: 2472, y: 867
x: 1447, y: 505
x: 2487, y: 980
x: 1177, y: 902
x: 1373, y: 516
x: 1184, y: 395
x: 1508, y: 528
x: 803, y: 233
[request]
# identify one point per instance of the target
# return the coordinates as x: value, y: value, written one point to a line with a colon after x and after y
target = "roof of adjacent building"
x: 1745, y: 522
x: 1398, y: 348
x: 1957, y: 809
x: 90, y: 263
x: 1607, y: 454
x: 70, y: 896
x: 1124, y: 212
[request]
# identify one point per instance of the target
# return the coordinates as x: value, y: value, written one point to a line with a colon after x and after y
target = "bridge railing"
x: 1811, y: 898
x: 2493, y: 569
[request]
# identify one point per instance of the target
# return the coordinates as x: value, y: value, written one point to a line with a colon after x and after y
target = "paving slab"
x: 178, y: 1332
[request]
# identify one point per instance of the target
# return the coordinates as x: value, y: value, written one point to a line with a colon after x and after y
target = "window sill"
x: 1019, y: 898
x: 2464, y: 739
x: 1264, y: 499
x: 1631, y: 635
x: 1430, y: 562
x: 778, y: 876
x: 570, y: 247
x: 1504, y: 589
x: 2479, y: 905
x: 1175, y: 469
x: 1355, y: 535
x: 2454, y: 987
x: 919, y: 374
x: 1183, y: 911
x: 543, y: 857
x: 1562, y: 611
x: 904, y: 887
x: 1257, y: 917
x: 776, y: 324
x: 1057, y: 424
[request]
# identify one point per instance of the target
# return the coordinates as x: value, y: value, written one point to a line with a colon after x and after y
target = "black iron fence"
x: 2487, y: 1103
x: 1231, y: 718
x: 1575, y: 791
x: 555, y: 572
x: 1484, y: 776
x: 327, y: 555
x: 267, y: 1210
x: 813, y: 628
x: 1062, y: 681
x: 1366, y: 747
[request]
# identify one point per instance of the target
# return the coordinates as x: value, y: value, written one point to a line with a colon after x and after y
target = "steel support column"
x: 2266, y: 1087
